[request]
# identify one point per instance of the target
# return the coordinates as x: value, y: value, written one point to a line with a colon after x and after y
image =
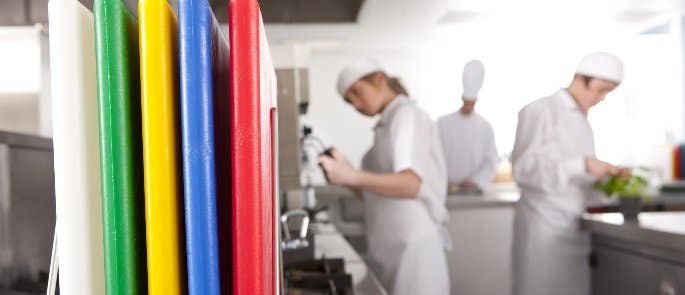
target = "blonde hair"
x: 393, y: 82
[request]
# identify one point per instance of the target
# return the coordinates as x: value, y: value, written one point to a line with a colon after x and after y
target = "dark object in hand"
x: 328, y: 153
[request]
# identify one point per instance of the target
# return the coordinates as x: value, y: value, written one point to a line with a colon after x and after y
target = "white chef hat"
x: 601, y: 65
x: 472, y: 79
x: 355, y: 71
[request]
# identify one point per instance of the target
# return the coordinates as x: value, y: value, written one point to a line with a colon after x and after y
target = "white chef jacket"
x: 406, y: 237
x: 550, y: 252
x: 469, y: 145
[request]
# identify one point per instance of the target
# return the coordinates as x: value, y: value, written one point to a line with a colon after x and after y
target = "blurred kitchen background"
x: 530, y: 49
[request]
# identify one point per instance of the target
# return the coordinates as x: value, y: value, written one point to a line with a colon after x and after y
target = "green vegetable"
x: 630, y: 186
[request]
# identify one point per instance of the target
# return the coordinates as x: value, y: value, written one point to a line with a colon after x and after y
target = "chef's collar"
x: 391, y: 108
x: 569, y: 101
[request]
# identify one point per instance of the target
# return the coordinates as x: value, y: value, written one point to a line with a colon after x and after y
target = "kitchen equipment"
x: 300, y: 247
x: 161, y: 158
x: 630, y: 208
x: 293, y: 93
x: 121, y: 161
x: 27, y: 211
x: 205, y: 93
x: 637, y: 258
x: 676, y: 188
x: 78, y: 191
x: 254, y: 159
x: 302, y: 273
x: 321, y: 276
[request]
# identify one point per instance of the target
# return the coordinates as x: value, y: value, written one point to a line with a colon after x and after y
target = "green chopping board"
x: 118, y: 77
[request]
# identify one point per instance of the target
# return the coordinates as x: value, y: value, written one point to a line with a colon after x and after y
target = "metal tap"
x: 290, y: 243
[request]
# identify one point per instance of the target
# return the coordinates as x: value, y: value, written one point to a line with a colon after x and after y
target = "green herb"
x: 630, y: 186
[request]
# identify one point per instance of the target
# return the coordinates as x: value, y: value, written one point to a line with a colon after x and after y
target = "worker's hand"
x: 468, y: 184
x: 338, y: 170
x: 339, y: 156
x: 600, y: 169
x: 624, y: 171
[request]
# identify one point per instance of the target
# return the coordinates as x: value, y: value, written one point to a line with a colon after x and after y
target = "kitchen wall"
x: 19, y: 113
x: 645, y: 112
x: 25, y: 104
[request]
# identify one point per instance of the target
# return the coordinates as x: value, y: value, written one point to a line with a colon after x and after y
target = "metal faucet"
x: 290, y: 243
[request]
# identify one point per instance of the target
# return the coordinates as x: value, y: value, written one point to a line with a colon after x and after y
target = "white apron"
x: 550, y: 252
x: 406, y: 237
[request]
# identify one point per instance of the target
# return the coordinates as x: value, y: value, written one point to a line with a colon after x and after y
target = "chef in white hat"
x: 402, y: 181
x: 554, y: 164
x: 468, y: 139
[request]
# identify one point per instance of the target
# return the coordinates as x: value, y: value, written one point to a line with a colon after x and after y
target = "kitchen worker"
x: 402, y: 182
x: 554, y: 164
x: 468, y: 139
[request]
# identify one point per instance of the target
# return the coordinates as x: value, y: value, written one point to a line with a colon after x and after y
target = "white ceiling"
x: 396, y: 24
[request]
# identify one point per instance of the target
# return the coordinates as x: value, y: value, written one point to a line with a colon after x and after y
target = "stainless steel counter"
x: 504, y: 196
x: 486, y: 200
x: 658, y: 229
x: 507, y: 194
x: 644, y: 257
x: 497, y: 195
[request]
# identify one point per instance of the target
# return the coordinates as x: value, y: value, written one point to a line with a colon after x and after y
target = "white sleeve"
x: 485, y: 173
x: 408, y: 151
x: 538, y: 163
x: 416, y: 147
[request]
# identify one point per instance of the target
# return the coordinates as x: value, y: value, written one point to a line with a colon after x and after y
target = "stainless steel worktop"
x: 499, y: 195
x: 486, y: 200
x: 506, y: 195
x: 658, y: 229
x: 636, y: 258
x: 663, y: 202
x: 496, y: 195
